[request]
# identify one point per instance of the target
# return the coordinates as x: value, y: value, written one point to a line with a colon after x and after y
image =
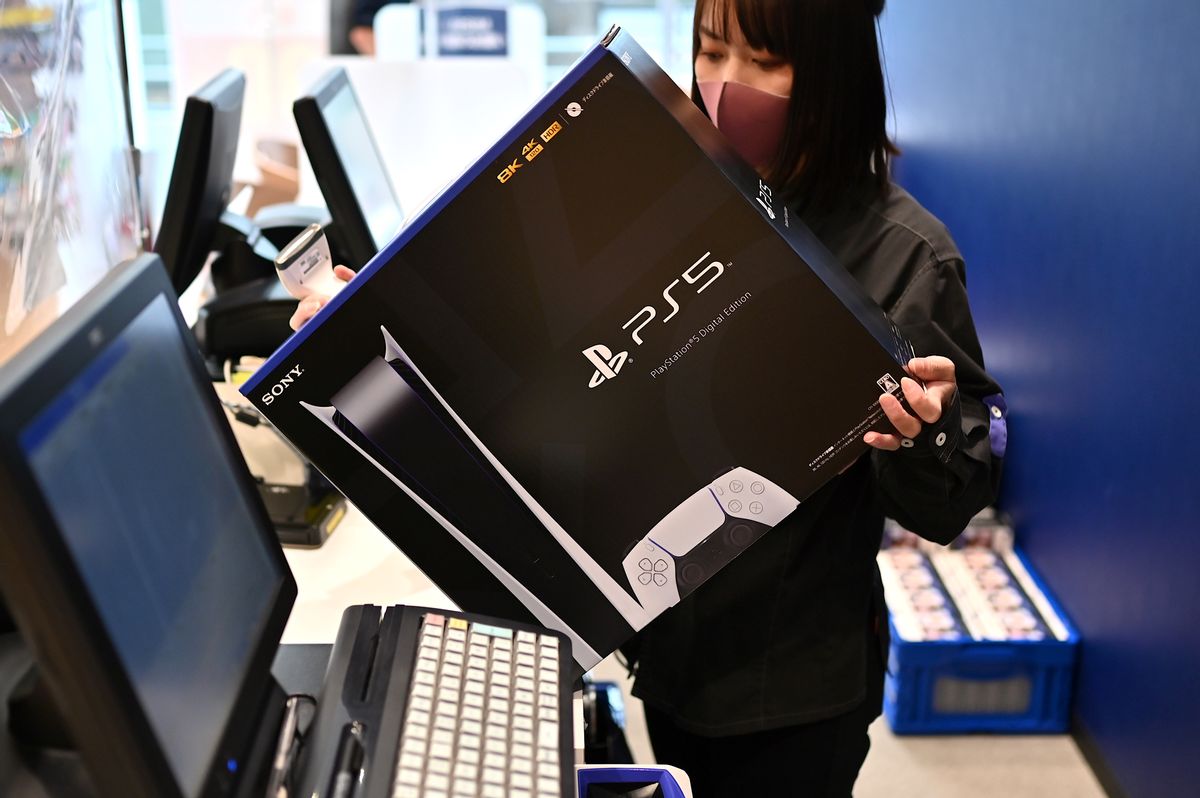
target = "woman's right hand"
x: 309, y: 306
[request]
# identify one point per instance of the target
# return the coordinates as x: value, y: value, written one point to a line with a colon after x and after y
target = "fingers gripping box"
x: 596, y: 368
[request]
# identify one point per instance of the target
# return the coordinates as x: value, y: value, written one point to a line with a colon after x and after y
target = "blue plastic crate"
x: 1017, y: 686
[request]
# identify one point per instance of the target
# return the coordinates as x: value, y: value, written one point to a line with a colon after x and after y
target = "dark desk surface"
x: 298, y: 668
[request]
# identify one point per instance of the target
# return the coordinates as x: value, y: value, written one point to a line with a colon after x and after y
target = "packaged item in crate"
x: 921, y: 607
x: 991, y: 600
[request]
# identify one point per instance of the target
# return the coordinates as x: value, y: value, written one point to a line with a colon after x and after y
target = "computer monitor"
x: 137, y: 557
x: 352, y: 176
x: 202, y: 178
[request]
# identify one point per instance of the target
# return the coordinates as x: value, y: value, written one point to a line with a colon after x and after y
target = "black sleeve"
x: 951, y: 470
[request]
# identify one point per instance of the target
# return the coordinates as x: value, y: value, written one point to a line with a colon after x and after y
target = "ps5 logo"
x: 607, y: 364
x: 278, y: 388
x: 703, y: 272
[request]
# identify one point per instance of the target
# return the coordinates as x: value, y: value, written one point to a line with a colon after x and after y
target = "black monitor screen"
x: 139, y: 482
x: 202, y: 176
x: 364, y: 170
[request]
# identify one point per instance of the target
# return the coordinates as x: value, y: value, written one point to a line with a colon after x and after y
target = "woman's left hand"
x: 929, y: 402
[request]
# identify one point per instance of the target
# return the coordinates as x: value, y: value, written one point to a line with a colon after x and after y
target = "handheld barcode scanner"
x: 305, y: 266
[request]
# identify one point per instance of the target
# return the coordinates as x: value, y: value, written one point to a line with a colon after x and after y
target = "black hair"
x: 836, y: 138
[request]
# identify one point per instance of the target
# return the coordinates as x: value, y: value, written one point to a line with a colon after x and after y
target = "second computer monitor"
x: 202, y: 177
x: 348, y: 168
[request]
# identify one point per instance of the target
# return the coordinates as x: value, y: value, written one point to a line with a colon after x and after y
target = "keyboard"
x: 483, y: 716
x: 442, y: 704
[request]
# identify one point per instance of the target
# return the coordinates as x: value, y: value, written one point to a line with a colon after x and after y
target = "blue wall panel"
x: 1060, y: 142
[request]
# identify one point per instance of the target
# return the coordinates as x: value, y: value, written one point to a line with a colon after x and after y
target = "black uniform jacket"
x: 781, y: 635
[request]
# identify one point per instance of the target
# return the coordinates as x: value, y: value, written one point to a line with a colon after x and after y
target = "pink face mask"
x: 752, y: 120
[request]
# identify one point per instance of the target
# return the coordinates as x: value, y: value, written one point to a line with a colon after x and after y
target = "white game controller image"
x: 704, y: 533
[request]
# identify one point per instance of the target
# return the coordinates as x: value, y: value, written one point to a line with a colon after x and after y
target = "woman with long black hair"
x: 764, y: 682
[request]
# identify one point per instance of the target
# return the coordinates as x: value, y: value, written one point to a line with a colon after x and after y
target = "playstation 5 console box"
x: 594, y: 369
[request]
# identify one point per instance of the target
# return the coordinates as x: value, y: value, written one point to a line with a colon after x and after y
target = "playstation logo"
x: 607, y: 364
x: 574, y: 109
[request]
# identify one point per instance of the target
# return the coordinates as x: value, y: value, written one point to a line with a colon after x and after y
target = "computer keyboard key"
x: 548, y: 735
x: 409, y: 776
x: 441, y: 750
x: 496, y: 745
x: 493, y: 791
x: 522, y: 736
x: 522, y: 751
x: 520, y: 781
x: 493, y: 775
x: 436, y: 781
x: 440, y: 766
x: 406, y: 791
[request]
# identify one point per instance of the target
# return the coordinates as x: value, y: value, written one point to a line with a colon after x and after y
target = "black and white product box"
x: 593, y: 370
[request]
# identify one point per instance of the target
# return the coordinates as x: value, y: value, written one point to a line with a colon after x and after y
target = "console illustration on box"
x: 703, y: 534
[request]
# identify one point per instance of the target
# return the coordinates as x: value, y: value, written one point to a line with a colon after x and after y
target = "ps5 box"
x: 584, y: 377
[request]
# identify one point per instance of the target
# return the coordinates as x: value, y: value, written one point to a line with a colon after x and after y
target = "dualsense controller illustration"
x: 703, y: 534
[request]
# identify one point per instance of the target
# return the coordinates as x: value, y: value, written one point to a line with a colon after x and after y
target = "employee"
x: 763, y: 682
